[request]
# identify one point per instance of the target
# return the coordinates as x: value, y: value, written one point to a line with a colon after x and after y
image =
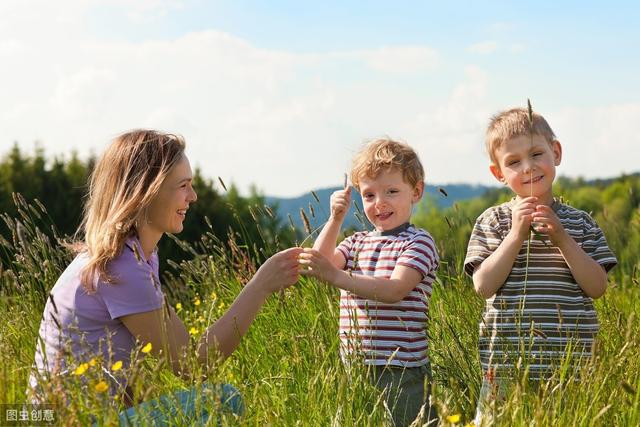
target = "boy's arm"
x: 326, y: 241
x: 491, y: 274
x: 589, y: 275
x: 403, y: 279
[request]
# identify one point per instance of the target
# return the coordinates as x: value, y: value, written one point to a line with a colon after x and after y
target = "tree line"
x: 60, y: 184
x: 613, y: 203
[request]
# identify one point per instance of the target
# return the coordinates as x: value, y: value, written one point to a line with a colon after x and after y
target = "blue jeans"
x: 186, y: 407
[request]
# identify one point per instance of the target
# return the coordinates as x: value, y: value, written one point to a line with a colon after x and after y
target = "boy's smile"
x: 388, y: 199
x: 528, y: 168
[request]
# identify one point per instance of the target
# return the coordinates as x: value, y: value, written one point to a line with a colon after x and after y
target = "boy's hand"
x: 340, y: 202
x: 280, y: 271
x: 547, y: 222
x: 521, y: 217
x: 315, y: 264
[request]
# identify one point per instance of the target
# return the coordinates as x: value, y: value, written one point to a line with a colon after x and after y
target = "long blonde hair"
x: 122, y: 185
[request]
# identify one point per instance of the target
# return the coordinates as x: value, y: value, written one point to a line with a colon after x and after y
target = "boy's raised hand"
x: 521, y: 215
x: 340, y: 202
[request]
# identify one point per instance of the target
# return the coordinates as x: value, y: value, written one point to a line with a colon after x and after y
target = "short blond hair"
x: 384, y: 154
x: 512, y: 124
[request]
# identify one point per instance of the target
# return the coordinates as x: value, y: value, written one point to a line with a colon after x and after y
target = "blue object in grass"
x: 189, y: 407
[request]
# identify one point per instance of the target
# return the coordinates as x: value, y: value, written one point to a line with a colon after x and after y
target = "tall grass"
x: 287, y: 367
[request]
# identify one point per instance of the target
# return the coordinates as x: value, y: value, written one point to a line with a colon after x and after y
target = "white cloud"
x: 483, y: 48
x: 517, y: 48
x: 448, y: 137
x: 598, y: 142
x: 287, y: 122
x: 403, y: 59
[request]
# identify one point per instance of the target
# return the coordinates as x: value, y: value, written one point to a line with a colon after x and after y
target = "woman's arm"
x: 167, y: 333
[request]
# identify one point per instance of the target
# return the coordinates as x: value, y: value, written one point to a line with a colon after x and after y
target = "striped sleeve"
x: 485, y: 239
x: 420, y: 254
x: 345, y: 248
x: 595, y: 244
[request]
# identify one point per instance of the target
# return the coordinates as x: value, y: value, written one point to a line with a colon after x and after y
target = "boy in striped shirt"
x: 539, y: 307
x: 385, y: 277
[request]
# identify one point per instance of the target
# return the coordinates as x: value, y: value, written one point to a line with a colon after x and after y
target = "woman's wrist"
x: 258, y: 287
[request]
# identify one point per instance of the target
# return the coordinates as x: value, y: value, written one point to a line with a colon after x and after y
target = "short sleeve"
x: 420, y: 254
x: 485, y: 239
x: 345, y: 248
x: 595, y: 244
x: 136, y: 288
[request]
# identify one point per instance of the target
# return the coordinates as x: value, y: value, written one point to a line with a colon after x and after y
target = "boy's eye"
x: 512, y: 162
x: 537, y: 154
x: 368, y: 196
x: 392, y: 191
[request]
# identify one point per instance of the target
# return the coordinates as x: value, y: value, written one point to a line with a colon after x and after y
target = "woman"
x: 108, y: 301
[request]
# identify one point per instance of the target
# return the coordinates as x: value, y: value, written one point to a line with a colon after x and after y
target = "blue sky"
x: 279, y: 94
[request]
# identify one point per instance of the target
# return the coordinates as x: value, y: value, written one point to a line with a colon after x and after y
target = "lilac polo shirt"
x: 89, y: 324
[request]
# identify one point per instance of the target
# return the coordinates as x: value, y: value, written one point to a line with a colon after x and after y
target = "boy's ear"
x: 495, y: 171
x: 418, y: 190
x: 557, y: 152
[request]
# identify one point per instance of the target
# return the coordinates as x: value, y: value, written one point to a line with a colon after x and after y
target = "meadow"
x: 287, y: 367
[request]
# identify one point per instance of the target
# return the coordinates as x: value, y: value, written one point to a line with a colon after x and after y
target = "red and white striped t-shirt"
x: 380, y: 333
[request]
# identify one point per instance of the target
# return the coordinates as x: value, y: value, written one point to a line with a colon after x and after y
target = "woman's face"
x: 167, y: 211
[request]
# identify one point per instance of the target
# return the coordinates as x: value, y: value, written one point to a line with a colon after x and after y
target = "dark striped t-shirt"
x: 542, y: 319
x: 381, y: 333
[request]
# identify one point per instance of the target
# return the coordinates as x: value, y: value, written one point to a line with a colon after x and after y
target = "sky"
x: 279, y: 95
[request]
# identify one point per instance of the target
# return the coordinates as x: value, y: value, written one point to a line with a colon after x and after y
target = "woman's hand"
x: 280, y: 271
x: 317, y: 265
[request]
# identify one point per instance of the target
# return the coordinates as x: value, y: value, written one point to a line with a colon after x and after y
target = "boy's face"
x: 528, y: 168
x: 388, y: 199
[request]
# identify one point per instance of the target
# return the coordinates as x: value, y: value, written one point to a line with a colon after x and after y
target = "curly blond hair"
x: 384, y: 154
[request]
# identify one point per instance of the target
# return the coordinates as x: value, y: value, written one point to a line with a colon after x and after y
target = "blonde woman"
x: 108, y: 300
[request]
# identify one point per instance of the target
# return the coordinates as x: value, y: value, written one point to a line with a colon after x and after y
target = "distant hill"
x: 319, y: 212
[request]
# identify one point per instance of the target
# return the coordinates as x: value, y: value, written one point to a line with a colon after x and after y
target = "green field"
x: 288, y: 367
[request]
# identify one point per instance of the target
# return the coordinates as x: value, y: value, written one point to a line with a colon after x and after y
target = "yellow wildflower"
x: 147, y: 348
x: 178, y: 307
x: 193, y: 331
x: 81, y: 369
x: 92, y: 362
x: 196, y: 302
x: 453, y: 419
x: 101, y: 387
x: 117, y: 366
